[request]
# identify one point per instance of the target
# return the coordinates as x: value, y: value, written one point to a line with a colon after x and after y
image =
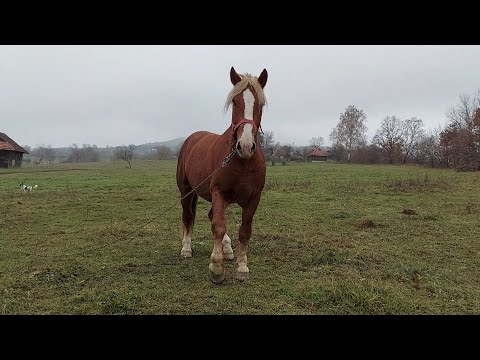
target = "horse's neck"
x: 227, y: 136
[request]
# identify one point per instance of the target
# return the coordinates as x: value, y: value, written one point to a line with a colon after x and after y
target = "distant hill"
x: 172, y: 144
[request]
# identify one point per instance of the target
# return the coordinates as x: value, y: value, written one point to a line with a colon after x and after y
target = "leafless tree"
x: 412, y: 132
x: 50, y: 154
x: 75, y: 154
x: 389, y: 138
x: 43, y: 152
x: 317, y: 142
x: 462, y: 113
x: 125, y: 153
x: 426, y: 152
x: 459, y: 143
x: 338, y: 152
x: 287, y: 151
x: 89, y: 153
x: 351, y: 129
x: 163, y: 152
x: 367, y: 154
x: 266, y: 139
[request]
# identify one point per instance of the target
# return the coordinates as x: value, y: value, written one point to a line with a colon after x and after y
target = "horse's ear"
x: 234, y: 77
x: 262, y: 79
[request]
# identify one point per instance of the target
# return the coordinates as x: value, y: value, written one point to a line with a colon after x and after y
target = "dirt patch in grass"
x: 366, y: 224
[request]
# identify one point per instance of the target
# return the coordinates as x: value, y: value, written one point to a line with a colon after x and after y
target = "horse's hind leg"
x: 226, y: 242
x: 189, y: 205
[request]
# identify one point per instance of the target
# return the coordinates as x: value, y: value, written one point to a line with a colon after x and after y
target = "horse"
x: 240, y: 180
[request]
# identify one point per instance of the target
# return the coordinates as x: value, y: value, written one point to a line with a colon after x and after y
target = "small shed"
x: 318, y: 155
x: 11, y: 154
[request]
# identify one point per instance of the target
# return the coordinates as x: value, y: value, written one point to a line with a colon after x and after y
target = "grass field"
x: 327, y: 239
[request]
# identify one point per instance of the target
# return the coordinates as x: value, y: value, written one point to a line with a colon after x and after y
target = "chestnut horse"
x: 241, y: 181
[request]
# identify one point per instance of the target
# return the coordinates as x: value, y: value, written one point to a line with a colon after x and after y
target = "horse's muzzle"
x: 245, y: 150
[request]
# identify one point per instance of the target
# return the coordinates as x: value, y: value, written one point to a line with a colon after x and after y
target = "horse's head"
x: 247, y: 100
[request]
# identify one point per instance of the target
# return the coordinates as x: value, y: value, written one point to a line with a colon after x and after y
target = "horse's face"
x: 246, y: 115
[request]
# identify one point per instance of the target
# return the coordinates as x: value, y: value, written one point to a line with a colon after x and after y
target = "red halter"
x: 244, y: 121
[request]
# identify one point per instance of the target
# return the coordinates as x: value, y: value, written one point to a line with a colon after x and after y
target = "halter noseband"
x: 244, y: 121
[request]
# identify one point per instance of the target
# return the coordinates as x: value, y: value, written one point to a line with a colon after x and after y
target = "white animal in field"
x: 27, y: 187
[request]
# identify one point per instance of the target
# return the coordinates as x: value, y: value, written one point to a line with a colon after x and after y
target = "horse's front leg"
x: 244, y: 235
x: 217, y: 272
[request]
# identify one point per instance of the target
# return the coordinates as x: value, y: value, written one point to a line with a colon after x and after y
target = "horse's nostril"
x: 239, y: 148
x: 253, y: 147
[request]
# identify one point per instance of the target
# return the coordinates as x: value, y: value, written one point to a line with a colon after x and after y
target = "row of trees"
x: 91, y: 153
x: 406, y: 141
x: 75, y: 154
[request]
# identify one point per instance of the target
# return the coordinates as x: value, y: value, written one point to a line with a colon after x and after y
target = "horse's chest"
x: 247, y: 185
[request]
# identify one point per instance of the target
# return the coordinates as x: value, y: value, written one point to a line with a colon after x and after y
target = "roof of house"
x: 6, y: 143
x: 318, y: 152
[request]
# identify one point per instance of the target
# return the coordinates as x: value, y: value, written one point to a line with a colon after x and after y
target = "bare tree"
x: 266, y: 139
x: 43, y: 152
x: 460, y: 141
x: 50, y: 154
x: 39, y: 153
x: 351, y: 129
x: 163, y: 152
x: 389, y: 138
x: 287, y: 151
x: 89, y: 153
x: 426, y: 152
x: 462, y: 113
x: 411, y: 134
x: 125, y: 153
x: 317, y: 142
x: 337, y: 152
x: 75, y: 154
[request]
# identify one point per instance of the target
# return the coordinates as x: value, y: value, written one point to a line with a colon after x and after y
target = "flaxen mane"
x: 247, y: 79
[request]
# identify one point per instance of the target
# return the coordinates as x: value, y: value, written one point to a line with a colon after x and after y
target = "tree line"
x: 397, y: 141
x: 45, y: 154
x: 456, y: 145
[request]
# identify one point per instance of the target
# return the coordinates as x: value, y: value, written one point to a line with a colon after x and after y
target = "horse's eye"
x: 234, y: 104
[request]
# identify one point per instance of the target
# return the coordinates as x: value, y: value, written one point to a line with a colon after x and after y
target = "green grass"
x: 327, y: 239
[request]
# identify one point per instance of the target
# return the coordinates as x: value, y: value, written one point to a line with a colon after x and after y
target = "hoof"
x: 228, y: 256
x: 217, y: 279
x: 186, y: 253
x: 242, y: 276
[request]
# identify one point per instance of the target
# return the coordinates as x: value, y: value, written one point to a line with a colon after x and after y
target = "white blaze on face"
x: 246, y: 140
x: 249, y: 101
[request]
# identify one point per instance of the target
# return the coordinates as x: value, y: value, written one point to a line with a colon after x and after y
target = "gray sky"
x: 114, y: 95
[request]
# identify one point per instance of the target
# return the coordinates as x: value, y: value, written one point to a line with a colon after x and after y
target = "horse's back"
x: 193, y: 154
x: 197, y: 139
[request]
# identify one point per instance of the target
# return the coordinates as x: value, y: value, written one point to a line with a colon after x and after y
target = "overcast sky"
x: 114, y: 95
